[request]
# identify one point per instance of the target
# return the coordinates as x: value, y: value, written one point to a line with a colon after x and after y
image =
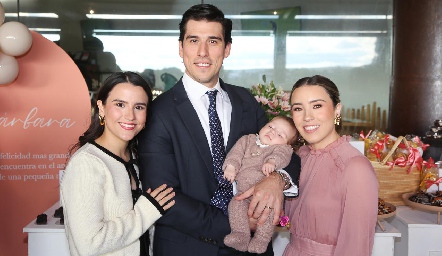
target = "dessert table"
x: 50, y: 239
x: 421, y: 235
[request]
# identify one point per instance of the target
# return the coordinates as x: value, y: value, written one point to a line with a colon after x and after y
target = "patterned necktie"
x: 224, y: 193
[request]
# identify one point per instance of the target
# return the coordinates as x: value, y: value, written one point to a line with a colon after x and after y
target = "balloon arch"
x: 15, y: 40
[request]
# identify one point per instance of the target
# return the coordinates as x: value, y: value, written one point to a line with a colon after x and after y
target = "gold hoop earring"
x: 102, y: 121
x: 337, y: 120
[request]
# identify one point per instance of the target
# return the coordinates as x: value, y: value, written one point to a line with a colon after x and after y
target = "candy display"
x: 397, y: 162
x: 384, y: 208
x: 435, y: 131
x: 433, y: 199
x: 402, y: 151
x: 430, y: 202
x: 431, y: 177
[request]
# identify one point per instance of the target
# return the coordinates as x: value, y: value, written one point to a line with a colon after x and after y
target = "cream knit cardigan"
x: 100, y: 218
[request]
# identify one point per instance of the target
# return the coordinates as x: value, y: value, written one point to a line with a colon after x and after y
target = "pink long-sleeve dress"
x: 336, y: 210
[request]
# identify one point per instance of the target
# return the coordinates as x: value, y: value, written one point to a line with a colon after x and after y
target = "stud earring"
x: 337, y: 120
x: 102, y: 121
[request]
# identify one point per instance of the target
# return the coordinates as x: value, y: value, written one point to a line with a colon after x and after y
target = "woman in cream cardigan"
x: 106, y: 212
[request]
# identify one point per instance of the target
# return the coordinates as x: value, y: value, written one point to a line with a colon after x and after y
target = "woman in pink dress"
x: 336, y: 210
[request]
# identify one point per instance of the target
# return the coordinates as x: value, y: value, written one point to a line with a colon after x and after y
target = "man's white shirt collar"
x: 197, y: 90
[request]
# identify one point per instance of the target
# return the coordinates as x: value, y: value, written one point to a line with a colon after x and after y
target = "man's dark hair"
x: 209, y: 13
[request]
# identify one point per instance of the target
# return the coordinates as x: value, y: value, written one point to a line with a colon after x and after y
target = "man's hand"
x: 267, y: 195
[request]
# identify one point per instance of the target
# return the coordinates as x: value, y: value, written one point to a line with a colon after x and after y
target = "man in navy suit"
x: 175, y: 147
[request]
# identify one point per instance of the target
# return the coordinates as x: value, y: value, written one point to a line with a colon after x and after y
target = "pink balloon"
x: 15, y: 38
x: 8, y: 69
x: 2, y: 14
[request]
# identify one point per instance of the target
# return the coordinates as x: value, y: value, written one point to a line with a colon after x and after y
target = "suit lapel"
x: 236, y: 118
x: 193, y: 124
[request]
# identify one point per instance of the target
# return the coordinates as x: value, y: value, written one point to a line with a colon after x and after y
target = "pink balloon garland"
x: 15, y: 40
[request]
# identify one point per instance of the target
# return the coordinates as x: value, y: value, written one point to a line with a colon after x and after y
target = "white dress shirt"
x: 200, y: 101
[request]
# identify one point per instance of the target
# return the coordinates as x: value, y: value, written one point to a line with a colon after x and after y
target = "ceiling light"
x: 46, y: 29
x: 338, y: 32
x: 132, y: 17
x: 253, y: 17
x: 133, y: 31
x: 167, y: 17
x: 343, y: 17
x: 30, y: 14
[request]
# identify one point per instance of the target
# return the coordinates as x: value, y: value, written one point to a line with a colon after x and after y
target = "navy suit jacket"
x: 173, y: 149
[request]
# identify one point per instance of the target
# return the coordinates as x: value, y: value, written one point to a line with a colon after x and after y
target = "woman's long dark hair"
x: 95, y: 130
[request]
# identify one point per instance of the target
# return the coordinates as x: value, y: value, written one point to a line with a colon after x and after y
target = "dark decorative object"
x: 59, y: 212
x: 435, y: 131
x: 42, y: 219
x: 433, y: 137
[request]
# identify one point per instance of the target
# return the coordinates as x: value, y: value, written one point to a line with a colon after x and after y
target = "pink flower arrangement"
x: 274, y: 101
x: 284, y: 221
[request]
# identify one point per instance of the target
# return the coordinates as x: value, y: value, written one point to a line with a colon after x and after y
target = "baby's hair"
x: 292, y: 141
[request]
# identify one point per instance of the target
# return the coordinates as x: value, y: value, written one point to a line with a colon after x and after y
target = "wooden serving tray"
x: 419, y: 206
x: 387, y: 215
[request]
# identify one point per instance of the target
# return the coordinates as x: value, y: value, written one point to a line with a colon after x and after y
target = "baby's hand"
x: 229, y: 173
x: 267, y: 168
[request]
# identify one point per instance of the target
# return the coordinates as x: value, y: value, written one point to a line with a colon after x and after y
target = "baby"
x: 251, y: 159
